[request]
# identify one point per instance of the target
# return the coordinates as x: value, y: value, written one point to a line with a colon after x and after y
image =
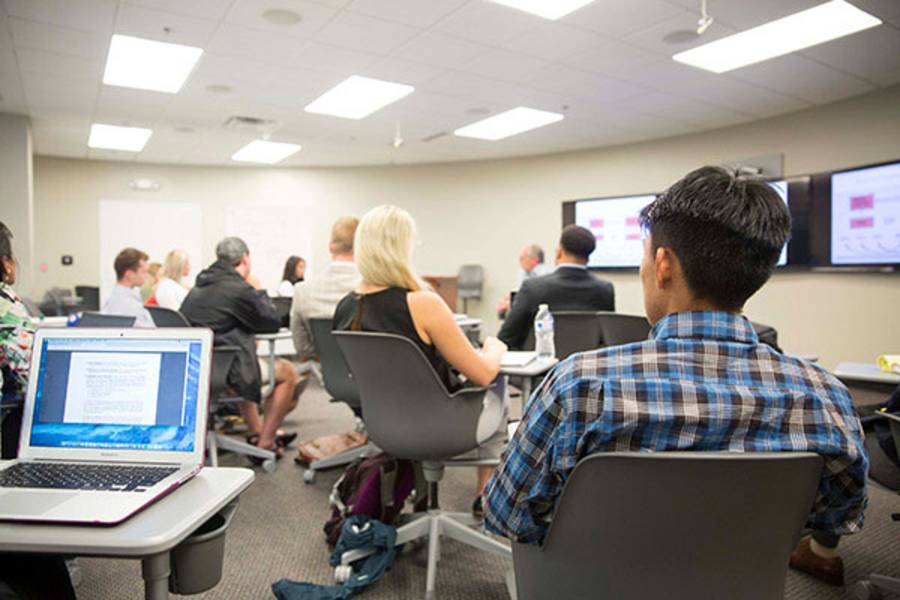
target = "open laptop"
x: 114, y: 419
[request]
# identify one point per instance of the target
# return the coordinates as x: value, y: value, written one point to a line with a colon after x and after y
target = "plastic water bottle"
x: 543, y: 333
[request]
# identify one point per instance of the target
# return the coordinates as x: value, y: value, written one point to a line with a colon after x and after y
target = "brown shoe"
x: 829, y: 570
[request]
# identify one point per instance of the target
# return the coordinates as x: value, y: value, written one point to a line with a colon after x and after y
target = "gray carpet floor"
x: 277, y: 533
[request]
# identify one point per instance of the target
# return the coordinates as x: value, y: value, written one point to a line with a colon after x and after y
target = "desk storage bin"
x: 197, y: 561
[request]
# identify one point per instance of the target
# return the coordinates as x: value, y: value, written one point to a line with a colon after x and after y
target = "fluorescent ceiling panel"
x: 111, y: 137
x: 357, y: 97
x: 549, y: 9
x: 269, y: 153
x: 794, y: 32
x: 509, y: 123
x: 148, y: 65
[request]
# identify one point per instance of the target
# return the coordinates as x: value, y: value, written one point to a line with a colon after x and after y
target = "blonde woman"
x: 391, y: 298
x: 170, y: 292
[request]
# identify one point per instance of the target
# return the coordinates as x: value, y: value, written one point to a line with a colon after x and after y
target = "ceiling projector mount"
x: 685, y: 36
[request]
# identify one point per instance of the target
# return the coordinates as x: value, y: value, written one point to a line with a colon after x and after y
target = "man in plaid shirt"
x: 701, y: 382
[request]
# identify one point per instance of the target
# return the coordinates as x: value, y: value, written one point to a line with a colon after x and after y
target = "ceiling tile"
x: 365, y: 34
x: 701, y: 114
x: 663, y: 74
x: 653, y: 38
x: 410, y: 12
x: 441, y: 50
x: 803, y: 78
x: 29, y: 34
x: 202, y: 9
x: 116, y: 155
x: 871, y: 55
x: 163, y: 26
x: 888, y: 10
x: 51, y: 63
x: 248, y: 13
x: 567, y: 81
x: 746, y: 15
x: 228, y: 70
x: 262, y: 46
x: 52, y: 91
x: 474, y: 88
x: 611, y: 57
x: 84, y: 15
x: 740, y: 96
x: 554, y: 41
x: 617, y: 19
x: 314, y: 55
x: 402, y: 71
x: 488, y: 23
x: 12, y: 95
x: 124, y: 103
x: 505, y: 65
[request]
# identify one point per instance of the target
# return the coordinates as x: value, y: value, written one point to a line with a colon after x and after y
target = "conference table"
x: 867, y: 383
x: 150, y: 535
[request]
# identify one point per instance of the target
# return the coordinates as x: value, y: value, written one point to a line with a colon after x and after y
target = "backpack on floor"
x: 376, y: 486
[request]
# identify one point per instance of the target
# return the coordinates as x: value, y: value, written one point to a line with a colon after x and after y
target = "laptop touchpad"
x: 33, y: 503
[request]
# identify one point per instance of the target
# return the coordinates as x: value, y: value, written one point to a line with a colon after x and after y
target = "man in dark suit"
x: 569, y: 287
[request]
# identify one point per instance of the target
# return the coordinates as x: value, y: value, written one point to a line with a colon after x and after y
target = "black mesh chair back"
x: 95, y: 319
x: 575, y: 331
x: 90, y: 296
x: 338, y: 380
x: 470, y: 281
x: 222, y: 359
x: 767, y: 334
x: 617, y: 329
x: 407, y: 410
x: 674, y: 525
x: 283, y: 307
x: 166, y: 317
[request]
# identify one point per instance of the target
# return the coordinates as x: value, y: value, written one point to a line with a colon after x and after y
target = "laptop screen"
x: 117, y: 393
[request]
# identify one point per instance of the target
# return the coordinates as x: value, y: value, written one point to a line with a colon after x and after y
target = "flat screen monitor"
x: 615, y: 223
x: 865, y: 216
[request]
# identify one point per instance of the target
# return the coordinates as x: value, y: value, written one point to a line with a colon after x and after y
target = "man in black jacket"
x: 231, y: 302
x: 569, y: 287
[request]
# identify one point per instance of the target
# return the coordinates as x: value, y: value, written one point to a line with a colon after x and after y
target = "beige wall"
x: 482, y: 212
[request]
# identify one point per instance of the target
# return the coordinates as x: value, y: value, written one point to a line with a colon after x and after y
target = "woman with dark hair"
x: 26, y: 576
x: 294, y: 269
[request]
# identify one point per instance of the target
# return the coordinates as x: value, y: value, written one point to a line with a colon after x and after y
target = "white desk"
x: 868, y: 372
x: 274, y: 339
x: 149, y: 535
x: 49, y: 321
x: 535, y: 368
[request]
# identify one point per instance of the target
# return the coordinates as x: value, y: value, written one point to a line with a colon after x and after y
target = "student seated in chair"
x: 230, y: 300
x: 131, y: 273
x: 702, y: 382
x: 391, y: 298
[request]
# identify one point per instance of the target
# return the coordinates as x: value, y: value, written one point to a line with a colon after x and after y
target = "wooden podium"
x: 445, y: 286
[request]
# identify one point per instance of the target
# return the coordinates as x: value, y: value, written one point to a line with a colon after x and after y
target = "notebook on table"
x: 517, y: 358
x: 113, y: 420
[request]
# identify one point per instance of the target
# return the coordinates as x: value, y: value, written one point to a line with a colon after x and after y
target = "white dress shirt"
x: 538, y: 270
x: 316, y: 298
x: 170, y: 294
x: 127, y: 301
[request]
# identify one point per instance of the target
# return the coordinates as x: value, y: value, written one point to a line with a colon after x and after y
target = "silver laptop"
x: 114, y: 419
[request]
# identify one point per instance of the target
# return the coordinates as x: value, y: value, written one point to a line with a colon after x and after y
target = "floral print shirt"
x: 16, y: 336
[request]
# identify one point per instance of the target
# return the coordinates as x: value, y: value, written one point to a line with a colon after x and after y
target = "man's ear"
x: 664, y: 267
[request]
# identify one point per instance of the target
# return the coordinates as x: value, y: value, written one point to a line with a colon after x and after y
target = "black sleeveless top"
x: 387, y: 312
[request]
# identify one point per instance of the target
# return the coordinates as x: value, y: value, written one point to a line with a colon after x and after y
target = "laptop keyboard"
x: 69, y: 476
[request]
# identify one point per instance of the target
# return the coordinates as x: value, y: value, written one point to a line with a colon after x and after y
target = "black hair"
x: 726, y: 230
x: 577, y: 241
x: 5, y: 248
x: 290, y: 269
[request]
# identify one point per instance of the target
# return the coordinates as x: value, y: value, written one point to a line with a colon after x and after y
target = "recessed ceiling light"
x: 549, y: 9
x: 357, y: 97
x: 149, y: 65
x: 112, y: 137
x: 261, y: 151
x: 794, y: 32
x: 506, y: 124
x: 281, y: 17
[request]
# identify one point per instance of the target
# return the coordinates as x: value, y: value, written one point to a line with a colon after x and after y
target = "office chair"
x: 766, y: 334
x: 90, y: 296
x: 222, y: 359
x: 339, y: 383
x: 283, y: 307
x: 674, y: 525
x: 469, y: 284
x: 872, y: 588
x: 617, y: 329
x: 166, y: 317
x: 31, y: 306
x: 95, y: 319
x: 410, y: 414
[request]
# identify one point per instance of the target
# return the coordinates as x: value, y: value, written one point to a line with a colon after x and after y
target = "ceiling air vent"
x: 250, y: 124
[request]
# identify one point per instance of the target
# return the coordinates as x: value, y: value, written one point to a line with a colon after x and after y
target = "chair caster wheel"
x: 309, y: 476
x: 864, y: 590
x: 342, y: 573
x: 269, y: 466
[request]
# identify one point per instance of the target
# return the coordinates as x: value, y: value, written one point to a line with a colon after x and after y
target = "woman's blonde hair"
x: 174, y: 265
x: 383, y: 248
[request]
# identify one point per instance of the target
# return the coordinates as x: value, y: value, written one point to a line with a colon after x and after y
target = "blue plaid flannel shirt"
x: 701, y: 382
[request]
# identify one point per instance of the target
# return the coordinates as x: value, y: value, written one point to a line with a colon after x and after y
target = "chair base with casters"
x: 216, y: 441
x: 341, y: 458
x: 433, y: 524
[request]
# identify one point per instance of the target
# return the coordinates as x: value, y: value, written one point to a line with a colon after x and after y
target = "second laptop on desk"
x: 113, y: 419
